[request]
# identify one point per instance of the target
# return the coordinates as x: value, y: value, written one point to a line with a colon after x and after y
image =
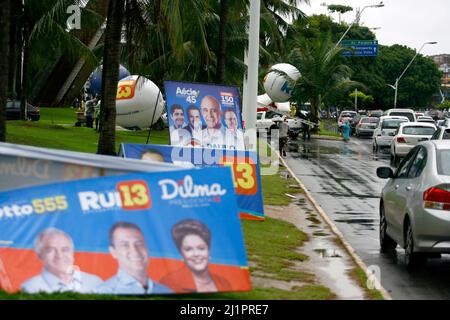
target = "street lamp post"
x: 395, y: 86
x: 358, y: 16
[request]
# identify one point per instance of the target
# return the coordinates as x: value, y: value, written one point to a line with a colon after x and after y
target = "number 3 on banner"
x: 244, y: 176
x: 134, y: 195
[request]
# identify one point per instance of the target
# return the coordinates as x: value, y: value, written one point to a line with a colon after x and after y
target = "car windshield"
x: 258, y: 116
x: 348, y: 115
x: 391, y: 124
x: 443, y: 162
x: 409, y: 115
x: 418, y: 131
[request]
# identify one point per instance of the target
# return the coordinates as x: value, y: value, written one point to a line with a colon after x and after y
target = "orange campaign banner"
x: 143, y: 233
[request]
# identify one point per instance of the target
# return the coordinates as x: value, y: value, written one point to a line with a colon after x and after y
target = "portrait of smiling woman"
x: 193, y: 240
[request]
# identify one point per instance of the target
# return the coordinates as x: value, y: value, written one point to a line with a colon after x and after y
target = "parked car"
x: 409, y: 113
x: 385, y: 131
x: 408, y: 135
x: 415, y: 203
x: 266, y: 120
x: 366, y: 126
x: 13, y: 111
x: 442, y: 133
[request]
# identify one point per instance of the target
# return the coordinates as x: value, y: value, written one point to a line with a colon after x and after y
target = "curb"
x: 338, y: 233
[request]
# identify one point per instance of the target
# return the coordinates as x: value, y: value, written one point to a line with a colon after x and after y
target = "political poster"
x: 244, y: 166
x: 144, y: 233
x: 204, y: 115
x: 25, y: 166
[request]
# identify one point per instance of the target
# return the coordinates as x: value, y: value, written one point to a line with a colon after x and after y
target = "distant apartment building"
x: 443, y: 62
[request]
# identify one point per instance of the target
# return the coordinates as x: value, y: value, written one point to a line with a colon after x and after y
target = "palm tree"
x: 110, y: 74
x: 4, y: 53
x: 323, y: 72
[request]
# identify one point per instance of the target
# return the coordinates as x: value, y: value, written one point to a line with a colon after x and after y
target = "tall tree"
x: 340, y: 9
x: 4, y: 62
x: 110, y: 74
x: 222, y: 40
x: 323, y: 72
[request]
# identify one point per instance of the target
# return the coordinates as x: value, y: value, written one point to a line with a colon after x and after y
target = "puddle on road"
x: 363, y: 224
x: 351, y: 195
x: 333, y: 272
x: 328, y: 253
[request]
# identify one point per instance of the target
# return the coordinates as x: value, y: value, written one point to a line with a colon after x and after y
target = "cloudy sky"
x: 407, y: 22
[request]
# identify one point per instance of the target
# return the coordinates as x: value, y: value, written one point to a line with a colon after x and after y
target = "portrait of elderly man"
x: 234, y: 137
x: 128, y: 247
x: 213, y: 136
x: 55, y: 249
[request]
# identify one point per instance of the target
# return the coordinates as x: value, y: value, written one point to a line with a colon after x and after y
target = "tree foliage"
x: 323, y: 72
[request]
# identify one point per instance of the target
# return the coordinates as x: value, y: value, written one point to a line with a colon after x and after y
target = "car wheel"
x: 413, y: 260
x: 386, y: 242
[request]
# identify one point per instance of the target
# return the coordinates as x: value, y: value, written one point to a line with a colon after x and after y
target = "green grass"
x: 271, y: 245
x: 324, y: 132
x: 57, y: 130
x: 360, y: 276
x: 274, y: 189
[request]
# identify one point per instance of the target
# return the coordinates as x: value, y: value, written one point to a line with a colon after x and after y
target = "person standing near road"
x: 305, y: 126
x: 346, y: 127
x: 283, y: 134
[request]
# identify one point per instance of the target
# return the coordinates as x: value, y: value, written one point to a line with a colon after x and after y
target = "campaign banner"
x: 244, y: 164
x: 26, y: 166
x: 204, y: 115
x: 143, y: 233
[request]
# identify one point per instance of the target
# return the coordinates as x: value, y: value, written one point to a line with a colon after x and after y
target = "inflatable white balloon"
x: 277, y: 85
x: 138, y: 101
x: 263, y: 100
x: 283, y: 106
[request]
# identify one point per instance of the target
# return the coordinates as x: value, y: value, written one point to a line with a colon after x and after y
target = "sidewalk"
x: 331, y: 260
x: 344, y: 275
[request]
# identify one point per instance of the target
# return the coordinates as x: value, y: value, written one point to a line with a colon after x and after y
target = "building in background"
x: 443, y: 62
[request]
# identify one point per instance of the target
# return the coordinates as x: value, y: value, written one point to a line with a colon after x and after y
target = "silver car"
x: 415, y: 203
x: 385, y: 131
x: 366, y: 126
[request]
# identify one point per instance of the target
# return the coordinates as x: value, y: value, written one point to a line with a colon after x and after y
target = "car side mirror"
x: 385, y: 172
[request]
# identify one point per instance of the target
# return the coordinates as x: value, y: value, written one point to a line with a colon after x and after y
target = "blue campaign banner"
x: 244, y: 164
x: 146, y: 233
x: 204, y: 115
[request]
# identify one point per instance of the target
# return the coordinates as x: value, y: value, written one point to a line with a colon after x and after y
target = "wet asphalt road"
x: 342, y: 178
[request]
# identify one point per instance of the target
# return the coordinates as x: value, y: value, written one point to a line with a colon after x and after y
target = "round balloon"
x: 95, y: 79
x: 277, y: 85
x: 139, y: 103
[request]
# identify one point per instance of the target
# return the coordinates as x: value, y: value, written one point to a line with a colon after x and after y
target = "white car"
x: 385, y: 131
x: 409, y: 113
x: 442, y: 133
x: 266, y: 120
x: 425, y: 119
x: 408, y: 135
